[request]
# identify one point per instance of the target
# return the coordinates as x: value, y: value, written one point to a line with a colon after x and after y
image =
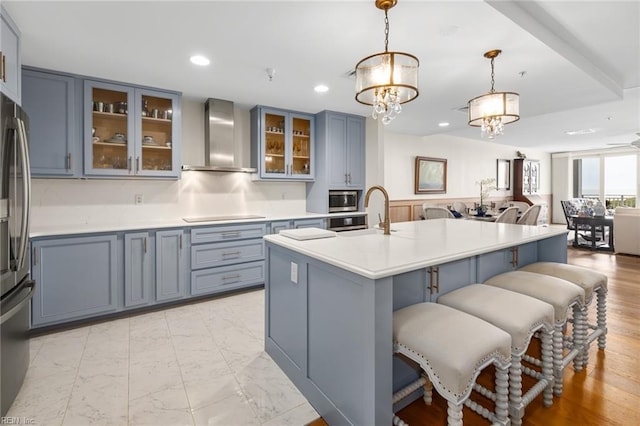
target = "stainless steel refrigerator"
x: 17, y: 288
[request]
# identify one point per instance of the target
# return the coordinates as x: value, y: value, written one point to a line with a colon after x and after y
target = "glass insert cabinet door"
x: 275, y: 129
x: 301, y: 146
x: 109, y: 128
x: 287, y: 144
x: 130, y: 131
x: 155, y: 153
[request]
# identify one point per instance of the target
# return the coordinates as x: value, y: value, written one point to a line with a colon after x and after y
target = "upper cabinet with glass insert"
x: 282, y: 144
x: 130, y: 131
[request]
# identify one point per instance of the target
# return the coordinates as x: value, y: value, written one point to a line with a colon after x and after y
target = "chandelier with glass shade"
x: 493, y: 110
x: 389, y: 79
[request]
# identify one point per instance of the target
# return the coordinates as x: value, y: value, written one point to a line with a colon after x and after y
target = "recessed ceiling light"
x: 443, y: 124
x: 321, y: 88
x: 199, y: 60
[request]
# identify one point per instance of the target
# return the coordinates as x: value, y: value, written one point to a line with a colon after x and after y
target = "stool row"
x: 492, y: 324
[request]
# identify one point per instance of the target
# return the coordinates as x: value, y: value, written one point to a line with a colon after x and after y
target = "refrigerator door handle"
x: 26, y: 191
x: 12, y: 305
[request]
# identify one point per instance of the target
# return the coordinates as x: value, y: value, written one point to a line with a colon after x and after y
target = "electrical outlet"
x: 139, y: 199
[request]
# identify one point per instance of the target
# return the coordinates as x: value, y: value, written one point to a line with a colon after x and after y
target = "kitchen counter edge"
x: 79, y: 229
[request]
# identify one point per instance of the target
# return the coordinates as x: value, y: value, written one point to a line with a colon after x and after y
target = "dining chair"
x: 510, y: 215
x: 460, y: 207
x: 530, y: 216
x: 437, y: 213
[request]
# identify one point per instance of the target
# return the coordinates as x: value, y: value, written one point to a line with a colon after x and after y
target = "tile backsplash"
x: 102, y: 201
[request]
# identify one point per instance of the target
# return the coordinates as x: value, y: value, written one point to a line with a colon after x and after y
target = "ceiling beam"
x: 531, y: 17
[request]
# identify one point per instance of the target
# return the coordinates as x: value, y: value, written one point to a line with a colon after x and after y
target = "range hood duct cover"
x: 219, y: 146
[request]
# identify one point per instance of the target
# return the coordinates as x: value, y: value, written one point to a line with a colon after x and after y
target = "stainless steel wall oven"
x: 347, y: 223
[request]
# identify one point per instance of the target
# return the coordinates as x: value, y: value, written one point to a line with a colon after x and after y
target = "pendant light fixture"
x: 389, y: 79
x: 494, y: 109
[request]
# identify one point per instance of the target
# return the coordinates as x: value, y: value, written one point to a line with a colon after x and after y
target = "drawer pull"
x: 235, y: 277
x: 231, y: 234
x: 231, y: 253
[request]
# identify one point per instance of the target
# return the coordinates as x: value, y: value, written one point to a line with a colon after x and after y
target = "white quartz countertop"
x: 414, y: 245
x: 72, y: 229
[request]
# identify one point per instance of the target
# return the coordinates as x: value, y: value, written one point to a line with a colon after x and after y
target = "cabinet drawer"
x: 227, y: 233
x: 226, y: 277
x: 219, y: 254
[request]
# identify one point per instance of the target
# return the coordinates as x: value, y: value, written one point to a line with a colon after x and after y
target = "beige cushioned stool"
x: 520, y: 316
x: 452, y: 348
x: 591, y: 282
x: 563, y: 296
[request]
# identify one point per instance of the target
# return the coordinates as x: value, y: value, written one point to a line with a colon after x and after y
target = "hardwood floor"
x: 607, y: 392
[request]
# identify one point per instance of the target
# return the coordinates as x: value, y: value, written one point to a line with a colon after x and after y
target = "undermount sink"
x: 361, y: 232
x: 358, y: 233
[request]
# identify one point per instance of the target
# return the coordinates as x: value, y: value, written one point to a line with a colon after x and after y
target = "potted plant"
x: 486, y: 185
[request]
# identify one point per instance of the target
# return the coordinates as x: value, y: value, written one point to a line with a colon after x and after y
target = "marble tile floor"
x: 196, y: 364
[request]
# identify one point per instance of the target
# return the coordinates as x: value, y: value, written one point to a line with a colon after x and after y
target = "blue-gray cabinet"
x: 425, y: 285
x: 340, y: 158
x: 343, y: 138
x: 505, y: 260
x: 10, y: 57
x: 282, y: 144
x: 277, y: 226
x: 131, y: 131
x: 52, y: 102
x: 227, y: 257
x: 138, y: 276
x: 170, y: 265
x: 76, y: 278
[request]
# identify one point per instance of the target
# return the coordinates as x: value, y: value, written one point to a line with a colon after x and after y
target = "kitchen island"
x: 329, y: 301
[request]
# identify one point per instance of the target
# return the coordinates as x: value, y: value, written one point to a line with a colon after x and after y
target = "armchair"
x: 572, y: 207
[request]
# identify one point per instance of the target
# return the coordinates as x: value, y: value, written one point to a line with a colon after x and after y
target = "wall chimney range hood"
x: 219, y: 146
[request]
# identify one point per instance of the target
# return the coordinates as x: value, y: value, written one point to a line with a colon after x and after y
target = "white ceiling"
x: 581, y: 58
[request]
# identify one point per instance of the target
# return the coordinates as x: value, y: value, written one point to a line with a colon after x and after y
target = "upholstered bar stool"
x: 591, y: 282
x: 564, y: 297
x: 521, y: 316
x: 452, y: 348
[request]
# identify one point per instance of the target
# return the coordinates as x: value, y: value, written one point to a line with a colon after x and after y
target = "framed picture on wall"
x: 503, y: 176
x: 431, y: 175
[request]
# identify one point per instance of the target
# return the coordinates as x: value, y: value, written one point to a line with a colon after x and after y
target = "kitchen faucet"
x: 385, y: 224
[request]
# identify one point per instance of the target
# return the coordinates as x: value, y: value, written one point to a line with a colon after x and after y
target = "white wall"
x: 468, y: 161
x: 103, y: 201
x: 390, y: 161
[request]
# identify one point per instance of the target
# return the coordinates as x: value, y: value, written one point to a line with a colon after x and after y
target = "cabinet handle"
x: 129, y: 164
x: 231, y: 277
x: 180, y: 241
x: 430, y: 280
x: 137, y: 164
x: 514, y: 256
x: 69, y: 161
x: 349, y: 182
x: 231, y: 253
x: 434, y: 279
x: 4, y: 68
x: 345, y: 178
x: 145, y: 245
x: 35, y: 256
